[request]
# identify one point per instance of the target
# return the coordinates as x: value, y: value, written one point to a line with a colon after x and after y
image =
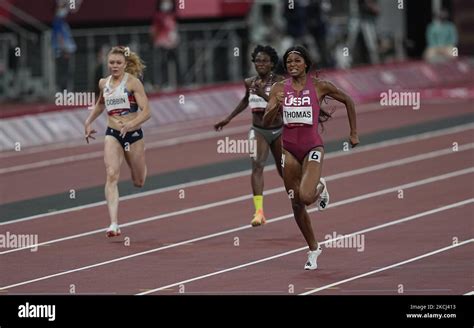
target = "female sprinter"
x: 303, y: 149
x: 267, y: 138
x: 121, y: 93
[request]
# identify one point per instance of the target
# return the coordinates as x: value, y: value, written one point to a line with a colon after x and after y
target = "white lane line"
x: 151, y: 145
x: 383, y: 144
x: 160, y: 130
x: 470, y: 293
x: 284, y: 217
x: 364, y: 170
x: 377, y: 227
x: 392, y: 290
x: 413, y: 259
x: 99, y: 154
x: 196, y: 124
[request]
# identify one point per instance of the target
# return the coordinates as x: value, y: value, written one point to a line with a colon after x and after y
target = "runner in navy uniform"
x: 122, y: 94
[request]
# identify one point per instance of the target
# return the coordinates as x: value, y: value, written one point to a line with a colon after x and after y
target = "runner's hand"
x: 218, y: 126
x: 280, y: 96
x: 124, y: 128
x: 89, y: 131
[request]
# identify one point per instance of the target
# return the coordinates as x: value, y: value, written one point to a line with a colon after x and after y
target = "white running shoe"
x: 312, y: 263
x: 323, y: 199
x: 113, y: 230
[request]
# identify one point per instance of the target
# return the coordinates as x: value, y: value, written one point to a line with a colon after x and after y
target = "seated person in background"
x: 441, y: 37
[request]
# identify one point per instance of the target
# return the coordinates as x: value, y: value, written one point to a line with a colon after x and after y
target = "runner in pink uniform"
x: 303, y: 149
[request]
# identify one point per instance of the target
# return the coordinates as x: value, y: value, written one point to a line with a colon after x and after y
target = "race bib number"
x: 315, y: 155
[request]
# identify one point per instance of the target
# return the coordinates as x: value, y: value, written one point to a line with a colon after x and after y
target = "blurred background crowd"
x: 51, y: 45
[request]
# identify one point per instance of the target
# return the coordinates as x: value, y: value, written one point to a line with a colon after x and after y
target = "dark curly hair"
x: 325, y: 114
x: 301, y: 51
x: 269, y: 51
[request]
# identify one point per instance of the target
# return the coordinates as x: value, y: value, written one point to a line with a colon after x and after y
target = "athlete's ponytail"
x: 324, y: 114
x: 135, y: 65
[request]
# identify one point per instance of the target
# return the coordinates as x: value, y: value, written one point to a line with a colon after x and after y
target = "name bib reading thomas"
x: 298, y: 115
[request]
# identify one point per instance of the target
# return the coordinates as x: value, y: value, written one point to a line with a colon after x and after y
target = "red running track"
x: 203, y: 244
x: 87, y: 170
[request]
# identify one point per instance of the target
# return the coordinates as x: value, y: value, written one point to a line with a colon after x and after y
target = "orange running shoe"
x: 258, y: 218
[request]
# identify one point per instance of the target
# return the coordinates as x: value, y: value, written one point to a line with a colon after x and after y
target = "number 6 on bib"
x: 315, y: 155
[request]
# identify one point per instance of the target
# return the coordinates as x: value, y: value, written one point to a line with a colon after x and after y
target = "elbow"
x: 349, y: 103
x: 146, y: 115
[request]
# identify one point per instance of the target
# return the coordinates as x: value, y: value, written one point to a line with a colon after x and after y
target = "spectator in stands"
x: 338, y: 50
x: 62, y: 41
x: 441, y: 37
x: 100, y: 68
x: 364, y: 14
x: 13, y: 59
x: 318, y: 28
x: 165, y: 36
x: 386, y: 48
x: 266, y: 30
x: 295, y: 16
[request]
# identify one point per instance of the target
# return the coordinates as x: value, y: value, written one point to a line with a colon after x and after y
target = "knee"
x: 257, y: 166
x: 297, y: 206
x: 112, y: 175
x: 306, y: 197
